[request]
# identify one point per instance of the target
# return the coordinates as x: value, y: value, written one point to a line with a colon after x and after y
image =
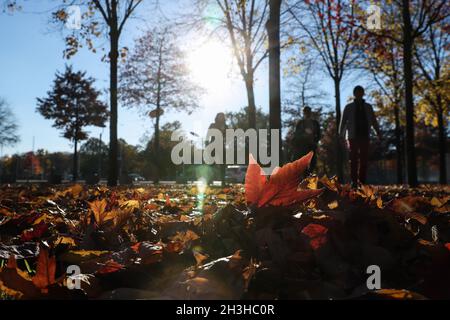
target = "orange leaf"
x: 254, y: 181
x: 98, y: 207
x: 45, y: 270
x: 199, y: 258
x: 110, y: 266
x: 282, y: 187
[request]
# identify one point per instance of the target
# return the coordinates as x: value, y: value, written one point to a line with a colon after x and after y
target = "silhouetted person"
x: 306, y: 137
x: 357, y: 120
x: 220, y: 124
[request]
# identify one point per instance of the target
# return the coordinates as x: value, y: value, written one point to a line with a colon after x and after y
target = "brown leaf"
x: 16, y: 283
x: 45, y: 270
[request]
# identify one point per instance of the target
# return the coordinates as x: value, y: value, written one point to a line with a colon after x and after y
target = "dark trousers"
x: 303, y: 150
x: 359, y: 151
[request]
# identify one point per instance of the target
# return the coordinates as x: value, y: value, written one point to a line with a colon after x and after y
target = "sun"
x: 210, y: 65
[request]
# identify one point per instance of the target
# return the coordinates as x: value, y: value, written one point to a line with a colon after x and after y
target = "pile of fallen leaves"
x: 274, y: 238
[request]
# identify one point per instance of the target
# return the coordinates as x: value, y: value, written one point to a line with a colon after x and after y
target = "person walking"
x: 357, y: 120
x: 306, y: 137
x: 220, y: 124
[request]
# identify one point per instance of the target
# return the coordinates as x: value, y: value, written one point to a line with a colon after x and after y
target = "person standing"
x: 357, y: 120
x: 306, y: 137
x: 220, y: 124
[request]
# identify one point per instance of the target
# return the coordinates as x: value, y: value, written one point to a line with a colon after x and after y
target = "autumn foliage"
x: 277, y: 238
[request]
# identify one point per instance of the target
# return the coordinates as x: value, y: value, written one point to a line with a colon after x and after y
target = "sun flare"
x: 210, y: 64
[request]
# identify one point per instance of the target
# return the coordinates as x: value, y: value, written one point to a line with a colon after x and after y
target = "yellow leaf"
x: 312, y: 183
x: 66, y: 240
x: 98, y: 207
x: 78, y: 256
x: 85, y: 253
x: 379, y: 203
x: 130, y: 204
x: 435, y: 202
x: 222, y: 196
x: 43, y: 217
x: 333, y: 205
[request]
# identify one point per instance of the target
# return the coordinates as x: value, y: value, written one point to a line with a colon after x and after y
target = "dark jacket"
x: 348, y: 123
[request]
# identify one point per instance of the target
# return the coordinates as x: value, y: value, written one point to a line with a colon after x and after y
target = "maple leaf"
x: 15, y: 282
x: 110, y: 266
x: 281, y: 189
x: 317, y: 235
x: 35, y: 233
x: 45, y: 270
x: 98, y: 208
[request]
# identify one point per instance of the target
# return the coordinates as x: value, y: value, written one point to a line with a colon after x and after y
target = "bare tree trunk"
x: 113, y: 55
x: 158, y: 164
x: 75, y: 161
x: 339, y: 151
x: 442, y: 146
x: 251, y: 102
x: 273, y: 28
x: 158, y: 112
x: 398, y: 145
x: 409, y: 102
x: 75, y: 151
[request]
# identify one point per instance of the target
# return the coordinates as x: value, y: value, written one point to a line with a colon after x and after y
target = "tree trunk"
x: 113, y: 55
x: 442, y: 146
x: 273, y: 29
x: 409, y: 102
x: 339, y: 152
x: 398, y: 145
x: 75, y: 161
x: 251, y: 101
x: 158, y: 165
x: 158, y: 111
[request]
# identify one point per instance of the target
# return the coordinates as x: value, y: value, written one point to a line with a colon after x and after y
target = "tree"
x: 273, y: 31
x: 330, y: 28
x: 238, y: 119
x: 302, y: 89
x: 8, y: 126
x: 243, y: 22
x: 156, y: 78
x: 73, y: 104
x: 94, y: 154
x: 417, y: 16
x: 112, y: 15
x: 432, y: 59
x: 382, y: 59
x: 166, y: 168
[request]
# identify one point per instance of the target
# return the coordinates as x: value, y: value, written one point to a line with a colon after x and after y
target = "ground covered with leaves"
x: 197, y: 242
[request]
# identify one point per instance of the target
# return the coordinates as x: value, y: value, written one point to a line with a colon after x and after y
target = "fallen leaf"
x: 281, y: 189
x: 317, y: 234
x: 333, y: 205
x: 45, y: 270
x: 199, y: 258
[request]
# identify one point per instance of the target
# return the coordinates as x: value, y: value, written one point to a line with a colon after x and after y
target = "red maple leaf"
x: 35, y: 233
x: 317, y: 235
x: 281, y: 189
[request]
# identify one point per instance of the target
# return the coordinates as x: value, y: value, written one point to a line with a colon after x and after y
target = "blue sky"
x: 32, y: 53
